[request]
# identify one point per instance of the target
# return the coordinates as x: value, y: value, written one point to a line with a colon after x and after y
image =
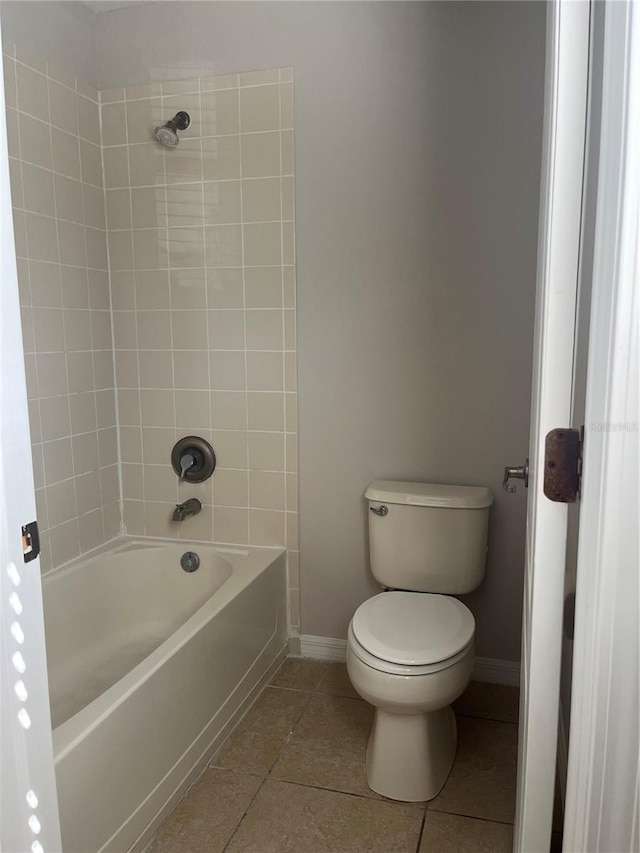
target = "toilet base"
x: 409, y: 756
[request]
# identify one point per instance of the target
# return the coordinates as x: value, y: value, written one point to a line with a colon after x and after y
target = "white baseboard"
x: 485, y: 669
x: 323, y: 648
x: 492, y: 670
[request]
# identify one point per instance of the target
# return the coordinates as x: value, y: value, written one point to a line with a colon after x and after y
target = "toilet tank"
x: 430, y: 538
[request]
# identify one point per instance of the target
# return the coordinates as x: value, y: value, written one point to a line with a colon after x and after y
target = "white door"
x: 28, y: 803
x: 564, y: 137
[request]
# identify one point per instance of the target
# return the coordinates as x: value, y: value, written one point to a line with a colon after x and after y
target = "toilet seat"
x: 400, y: 669
x: 413, y: 630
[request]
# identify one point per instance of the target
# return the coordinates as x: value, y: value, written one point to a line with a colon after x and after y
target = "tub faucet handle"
x: 186, y: 462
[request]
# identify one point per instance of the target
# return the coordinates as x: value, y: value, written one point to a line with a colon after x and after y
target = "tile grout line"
x: 422, y: 826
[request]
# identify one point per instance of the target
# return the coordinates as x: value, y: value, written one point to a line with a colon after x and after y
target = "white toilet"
x: 410, y: 650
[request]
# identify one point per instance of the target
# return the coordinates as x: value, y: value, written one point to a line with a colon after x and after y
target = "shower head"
x: 167, y: 134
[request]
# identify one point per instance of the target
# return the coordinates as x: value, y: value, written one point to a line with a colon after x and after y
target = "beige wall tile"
x: 186, y: 247
x: 183, y: 206
x: 287, y: 152
x: 150, y: 249
x: 37, y: 188
x: 192, y: 409
x: 152, y: 289
x: 228, y: 410
x: 65, y: 542
x: 259, y: 109
x: 42, y: 237
x: 227, y: 370
x: 220, y: 113
x: 265, y: 371
x: 54, y: 417
x: 156, y: 369
x: 77, y: 329
x: 262, y: 246
x: 146, y: 164
x: 225, y: 288
x: 157, y: 408
x: 114, y: 124
x: 264, y: 330
x: 226, y: 329
x: 94, y: 214
x: 221, y: 158
x: 191, y: 369
x: 261, y: 200
x: 89, y: 120
x: 116, y: 167
x: 184, y: 163
x: 260, y: 155
x: 72, y: 245
x: 263, y: 287
x: 75, y: 287
x: 69, y: 198
x: 231, y: 488
x: 156, y: 445
x: 154, y: 330
x: 286, y: 105
x: 33, y: 96
x: 256, y: 78
x: 231, y: 448
x: 267, y: 527
x: 231, y: 525
x: 223, y: 244
x: 266, y: 451
x: 58, y: 461
x: 265, y: 411
x: 189, y: 330
x: 267, y: 489
x: 218, y: 81
x: 142, y: 117
x: 83, y: 412
x: 188, y: 288
x: 222, y: 202
x: 122, y: 285
x: 118, y: 204
x: 91, y: 164
x: 51, y: 375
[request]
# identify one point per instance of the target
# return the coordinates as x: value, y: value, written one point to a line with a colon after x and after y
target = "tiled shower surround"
x: 56, y: 181
x: 202, y: 297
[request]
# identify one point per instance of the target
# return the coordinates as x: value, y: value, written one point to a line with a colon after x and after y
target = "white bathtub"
x: 149, y: 668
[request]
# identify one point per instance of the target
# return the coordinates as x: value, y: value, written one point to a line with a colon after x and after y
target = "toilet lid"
x: 413, y: 628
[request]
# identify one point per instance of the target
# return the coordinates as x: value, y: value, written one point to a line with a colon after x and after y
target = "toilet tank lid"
x: 429, y: 494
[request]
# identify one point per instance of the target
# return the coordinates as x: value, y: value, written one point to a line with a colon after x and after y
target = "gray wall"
x: 418, y: 133
x: 61, y: 32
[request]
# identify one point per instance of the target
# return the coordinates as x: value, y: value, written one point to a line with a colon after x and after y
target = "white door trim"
x: 28, y: 801
x: 564, y: 135
x: 602, y: 807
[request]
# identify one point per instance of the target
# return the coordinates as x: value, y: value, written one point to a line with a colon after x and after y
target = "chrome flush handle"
x: 380, y: 510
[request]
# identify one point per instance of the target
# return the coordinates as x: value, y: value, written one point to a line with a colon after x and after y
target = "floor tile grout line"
x: 435, y: 808
x: 286, y: 739
x: 422, y: 825
x: 244, y: 814
x: 364, y: 797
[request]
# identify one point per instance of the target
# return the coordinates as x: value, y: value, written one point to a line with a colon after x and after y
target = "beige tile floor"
x: 290, y: 778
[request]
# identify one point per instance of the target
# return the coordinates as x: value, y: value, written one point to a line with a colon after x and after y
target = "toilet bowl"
x: 410, y: 655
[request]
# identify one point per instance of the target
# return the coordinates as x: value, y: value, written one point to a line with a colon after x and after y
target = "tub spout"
x: 190, y: 507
